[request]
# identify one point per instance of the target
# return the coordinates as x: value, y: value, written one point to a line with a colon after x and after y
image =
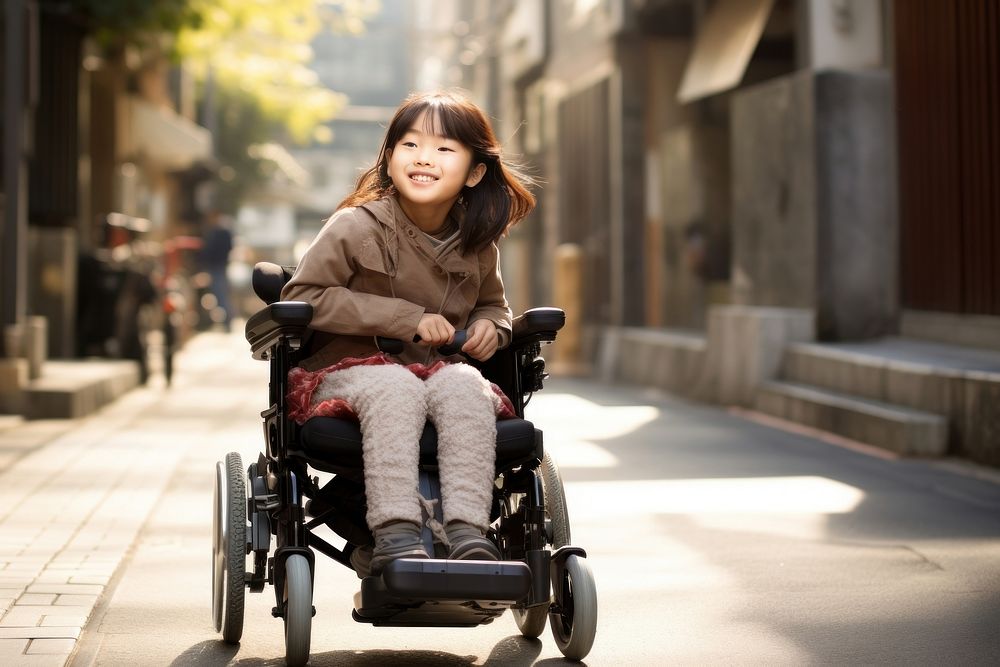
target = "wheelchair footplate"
x: 437, y: 592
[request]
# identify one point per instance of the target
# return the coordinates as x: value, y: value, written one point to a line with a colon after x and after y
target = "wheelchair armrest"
x: 537, y: 324
x: 277, y: 322
x: 518, y: 369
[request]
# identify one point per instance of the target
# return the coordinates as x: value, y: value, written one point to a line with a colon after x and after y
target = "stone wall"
x: 858, y: 242
x: 774, y: 193
x: 742, y: 348
x: 814, y: 214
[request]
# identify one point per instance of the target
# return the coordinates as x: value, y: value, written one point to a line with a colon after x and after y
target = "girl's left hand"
x: 482, y: 340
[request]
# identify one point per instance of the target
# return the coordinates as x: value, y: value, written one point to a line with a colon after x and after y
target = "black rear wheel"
x: 229, y: 548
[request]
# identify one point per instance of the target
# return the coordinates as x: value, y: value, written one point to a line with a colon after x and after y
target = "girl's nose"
x: 423, y: 159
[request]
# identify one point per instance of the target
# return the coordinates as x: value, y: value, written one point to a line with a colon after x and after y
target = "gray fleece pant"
x: 392, y: 405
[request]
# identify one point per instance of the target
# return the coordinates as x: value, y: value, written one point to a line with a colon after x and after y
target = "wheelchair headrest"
x: 268, y: 279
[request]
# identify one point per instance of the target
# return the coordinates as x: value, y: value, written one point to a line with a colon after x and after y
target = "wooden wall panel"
x: 948, y: 104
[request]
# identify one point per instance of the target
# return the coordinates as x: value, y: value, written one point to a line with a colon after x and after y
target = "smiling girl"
x: 412, y: 254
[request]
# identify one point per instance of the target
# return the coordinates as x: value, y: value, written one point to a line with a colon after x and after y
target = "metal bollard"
x: 35, y: 344
x: 568, y: 295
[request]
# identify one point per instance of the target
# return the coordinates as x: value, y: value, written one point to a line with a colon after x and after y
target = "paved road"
x: 713, y: 538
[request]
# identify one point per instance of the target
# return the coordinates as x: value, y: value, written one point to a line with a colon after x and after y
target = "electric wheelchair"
x: 275, y: 500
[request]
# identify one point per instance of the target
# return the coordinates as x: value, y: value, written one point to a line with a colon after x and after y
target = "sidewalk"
x: 75, y: 493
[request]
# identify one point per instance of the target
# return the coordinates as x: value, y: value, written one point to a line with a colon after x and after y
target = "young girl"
x: 412, y: 254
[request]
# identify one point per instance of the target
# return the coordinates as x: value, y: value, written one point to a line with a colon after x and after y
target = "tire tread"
x: 232, y: 629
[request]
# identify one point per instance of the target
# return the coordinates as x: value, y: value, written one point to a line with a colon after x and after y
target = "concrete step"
x: 902, y: 430
x: 931, y: 377
x: 76, y: 388
x: 961, y: 383
x: 671, y: 360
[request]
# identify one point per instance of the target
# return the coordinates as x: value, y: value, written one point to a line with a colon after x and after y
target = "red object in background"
x: 173, y: 252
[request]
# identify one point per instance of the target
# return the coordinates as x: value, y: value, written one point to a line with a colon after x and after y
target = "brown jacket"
x: 371, y: 272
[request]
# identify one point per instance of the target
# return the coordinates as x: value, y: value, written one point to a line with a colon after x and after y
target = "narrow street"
x: 788, y: 210
x: 713, y: 538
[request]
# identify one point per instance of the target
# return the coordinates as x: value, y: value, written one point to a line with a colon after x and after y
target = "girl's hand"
x: 483, y: 340
x: 434, y: 330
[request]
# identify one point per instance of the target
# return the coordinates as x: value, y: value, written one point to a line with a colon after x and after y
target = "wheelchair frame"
x: 536, y: 582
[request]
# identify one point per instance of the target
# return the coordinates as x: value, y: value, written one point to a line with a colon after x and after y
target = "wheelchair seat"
x: 334, y: 445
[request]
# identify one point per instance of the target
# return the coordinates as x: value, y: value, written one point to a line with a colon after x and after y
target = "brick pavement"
x: 74, y: 495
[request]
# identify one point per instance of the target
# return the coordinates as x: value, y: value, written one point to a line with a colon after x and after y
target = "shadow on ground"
x: 514, y: 651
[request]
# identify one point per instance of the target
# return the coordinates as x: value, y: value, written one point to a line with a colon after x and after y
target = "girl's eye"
x: 409, y: 144
x: 446, y: 149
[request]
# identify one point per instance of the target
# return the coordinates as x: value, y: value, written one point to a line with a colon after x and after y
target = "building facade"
x: 99, y: 146
x: 736, y: 176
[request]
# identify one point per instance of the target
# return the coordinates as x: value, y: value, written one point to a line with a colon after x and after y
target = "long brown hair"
x: 500, y: 199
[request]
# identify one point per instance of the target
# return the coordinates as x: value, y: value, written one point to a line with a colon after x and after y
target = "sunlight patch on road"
x: 572, y: 453
x: 588, y: 420
x: 668, y: 565
x: 675, y: 593
x: 573, y: 426
x: 755, y: 495
x: 795, y: 507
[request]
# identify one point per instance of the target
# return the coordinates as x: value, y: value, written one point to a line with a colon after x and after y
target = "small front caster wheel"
x: 573, y: 616
x: 298, y: 610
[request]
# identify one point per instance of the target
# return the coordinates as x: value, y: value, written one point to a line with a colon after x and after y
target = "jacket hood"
x: 382, y: 209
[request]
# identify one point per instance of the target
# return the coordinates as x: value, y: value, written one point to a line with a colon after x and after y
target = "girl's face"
x: 430, y: 170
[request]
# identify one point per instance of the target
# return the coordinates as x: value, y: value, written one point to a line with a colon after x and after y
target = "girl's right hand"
x: 434, y: 330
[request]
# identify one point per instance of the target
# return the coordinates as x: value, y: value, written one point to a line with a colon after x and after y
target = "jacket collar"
x: 389, y: 213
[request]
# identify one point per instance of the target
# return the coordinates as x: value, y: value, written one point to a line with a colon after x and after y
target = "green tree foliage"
x: 261, y: 48
x: 132, y: 21
x: 251, y: 56
x: 255, y: 55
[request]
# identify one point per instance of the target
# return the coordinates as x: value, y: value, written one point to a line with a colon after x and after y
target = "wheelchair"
x: 275, y: 501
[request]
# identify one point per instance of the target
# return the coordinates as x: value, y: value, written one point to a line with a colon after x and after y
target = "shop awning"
x: 166, y: 138
x: 722, y: 49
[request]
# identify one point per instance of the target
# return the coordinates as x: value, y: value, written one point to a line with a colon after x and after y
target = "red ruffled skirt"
x: 302, y: 384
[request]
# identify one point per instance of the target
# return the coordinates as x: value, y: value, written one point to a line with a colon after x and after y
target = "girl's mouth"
x: 422, y: 178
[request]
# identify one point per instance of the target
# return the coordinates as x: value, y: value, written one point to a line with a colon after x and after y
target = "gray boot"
x: 361, y: 560
x: 469, y: 543
x: 396, y: 539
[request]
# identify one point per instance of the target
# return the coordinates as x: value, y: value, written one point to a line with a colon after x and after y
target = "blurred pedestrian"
x: 218, y: 244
